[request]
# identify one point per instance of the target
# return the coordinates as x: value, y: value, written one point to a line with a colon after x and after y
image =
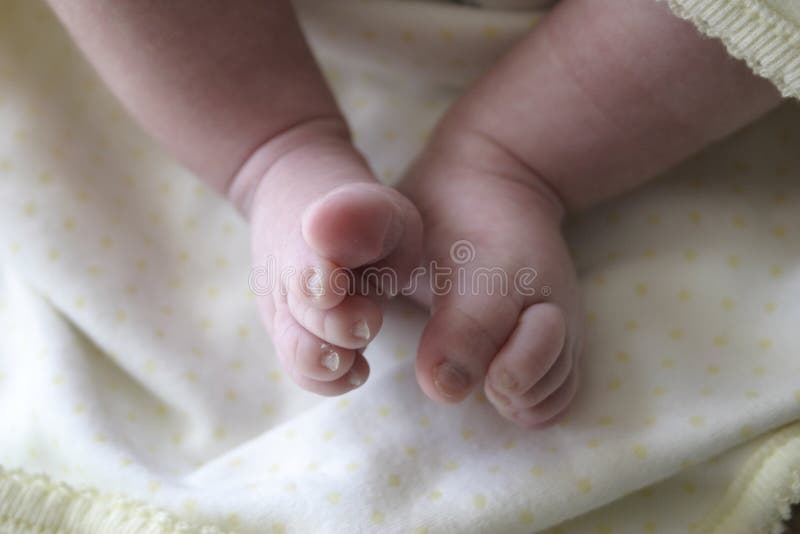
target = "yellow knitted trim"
x: 751, y: 31
x: 761, y: 495
x: 35, y: 504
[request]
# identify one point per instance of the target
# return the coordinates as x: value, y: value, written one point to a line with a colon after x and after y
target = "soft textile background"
x: 132, y: 361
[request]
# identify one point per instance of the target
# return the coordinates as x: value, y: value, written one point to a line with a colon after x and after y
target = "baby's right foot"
x: 318, y: 209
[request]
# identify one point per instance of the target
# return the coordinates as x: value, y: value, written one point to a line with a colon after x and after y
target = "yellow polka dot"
x: 631, y: 325
x: 650, y: 421
x: 343, y: 403
x: 526, y: 517
x: 684, y: 295
x: 154, y: 485
x: 765, y: 343
x: 401, y: 353
x: 446, y: 34
x: 776, y: 271
x: 407, y: 36
x: 435, y: 495
x: 759, y: 371
x: 712, y: 369
x: 384, y: 411
x: 653, y: 219
x: 640, y: 451
x: 467, y: 434
x: 333, y: 497
x: 695, y: 217
x: 328, y: 435
x: 706, y: 391
x: 479, y: 501
x: 278, y: 528
x: 733, y: 262
x: 424, y: 421
x: 351, y: 467
x: 751, y: 395
x: 411, y: 451
x: 599, y: 280
x: 584, y: 485
x: 727, y: 304
x: 690, y: 255
x: 537, y: 471
x: 451, y: 465
x: 614, y: 384
x: 509, y: 444
x: 697, y: 421
x: 394, y: 481
x: 650, y: 528
x: 778, y: 231
x: 738, y: 221
x: 770, y: 307
x: 605, y: 421
x: 667, y: 363
x: 721, y: 341
x: 641, y: 289
x: 676, y: 333
x: 659, y: 391
x: 421, y: 530
x: 30, y: 209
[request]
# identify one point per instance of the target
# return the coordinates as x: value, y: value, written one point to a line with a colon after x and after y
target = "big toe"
x: 461, y: 339
x: 362, y: 223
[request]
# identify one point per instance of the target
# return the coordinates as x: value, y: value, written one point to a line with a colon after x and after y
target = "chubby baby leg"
x: 602, y: 96
x: 233, y: 92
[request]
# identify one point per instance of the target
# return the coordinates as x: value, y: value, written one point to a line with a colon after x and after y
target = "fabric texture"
x: 137, y: 385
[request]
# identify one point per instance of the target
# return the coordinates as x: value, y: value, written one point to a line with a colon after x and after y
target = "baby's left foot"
x: 507, y: 313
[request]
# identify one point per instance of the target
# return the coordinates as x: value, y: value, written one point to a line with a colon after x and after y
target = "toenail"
x: 361, y: 330
x: 499, y: 397
x: 331, y: 359
x: 507, y: 381
x: 314, y: 284
x: 451, y: 380
x: 355, y: 379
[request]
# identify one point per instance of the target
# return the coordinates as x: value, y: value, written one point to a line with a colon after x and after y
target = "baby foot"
x: 316, y: 212
x: 524, y: 342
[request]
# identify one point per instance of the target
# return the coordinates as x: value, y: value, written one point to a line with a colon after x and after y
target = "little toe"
x: 546, y: 412
x: 352, y: 379
x: 304, y: 354
x: 530, y: 352
x: 351, y: 324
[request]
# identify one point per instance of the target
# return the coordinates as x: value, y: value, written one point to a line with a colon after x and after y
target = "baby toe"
x: 352, y: 379
x: 361, y: 223
x: 547, y: 411
x: 351, y: 324
x: 530, y: 352
x: 305, y: 355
